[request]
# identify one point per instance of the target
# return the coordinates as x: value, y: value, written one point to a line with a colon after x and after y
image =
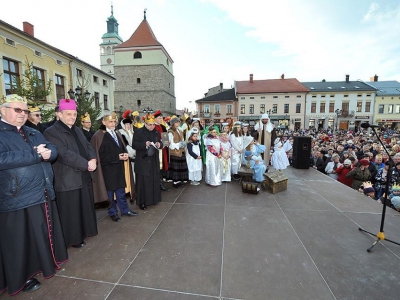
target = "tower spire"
x: 112, y: 9
x: 145, y: 13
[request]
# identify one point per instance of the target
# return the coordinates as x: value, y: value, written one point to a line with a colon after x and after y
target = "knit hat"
x: 67, y: 104
x: 364, y: 162
x: 347, y: 162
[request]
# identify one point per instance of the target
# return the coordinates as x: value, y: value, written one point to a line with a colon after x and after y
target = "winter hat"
x: 347, y: 162
x: 364, y: 162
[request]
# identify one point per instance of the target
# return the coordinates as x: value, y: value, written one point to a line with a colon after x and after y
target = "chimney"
x: 221, y: 86
x: 251, y: 78
x: 375, y: 78
x: 347, y: 78
x: 283, y: 76
x: 28, y: 28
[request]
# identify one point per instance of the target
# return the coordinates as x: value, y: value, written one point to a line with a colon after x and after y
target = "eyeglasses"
x: 19, y: 110
x: 38, y: 115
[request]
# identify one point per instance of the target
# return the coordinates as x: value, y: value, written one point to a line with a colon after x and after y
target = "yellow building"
x: 387, y: 103
x: 65, y: 71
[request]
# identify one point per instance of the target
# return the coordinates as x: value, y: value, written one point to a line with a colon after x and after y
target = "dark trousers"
x: 119, y: 200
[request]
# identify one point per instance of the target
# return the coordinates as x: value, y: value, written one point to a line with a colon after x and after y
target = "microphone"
x: 367, y: 125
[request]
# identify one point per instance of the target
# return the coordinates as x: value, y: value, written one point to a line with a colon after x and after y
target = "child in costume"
x: 193, y: 157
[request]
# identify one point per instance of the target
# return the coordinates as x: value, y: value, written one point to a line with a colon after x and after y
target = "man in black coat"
x: 87, y: 127
x: 147, y: 143
x: 73, y: 176
x: 114, y: 166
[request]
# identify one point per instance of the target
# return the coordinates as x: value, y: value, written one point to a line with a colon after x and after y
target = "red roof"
x: 289, y: 85
x: 142, y: 37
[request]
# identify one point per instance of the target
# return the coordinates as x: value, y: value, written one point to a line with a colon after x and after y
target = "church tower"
x: 111, y: 39
x: 144, y: 73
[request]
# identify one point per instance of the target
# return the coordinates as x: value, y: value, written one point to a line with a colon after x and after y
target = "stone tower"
x: 144, y: 73
x: 111, y: 39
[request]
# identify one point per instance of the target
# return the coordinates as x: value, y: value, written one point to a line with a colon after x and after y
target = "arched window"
x: 137, y: 55
x: 102, y: 50
x: 137, y: 80
x: 108, y: 50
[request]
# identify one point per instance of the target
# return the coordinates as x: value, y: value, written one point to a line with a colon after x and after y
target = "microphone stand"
x: 381, y: 235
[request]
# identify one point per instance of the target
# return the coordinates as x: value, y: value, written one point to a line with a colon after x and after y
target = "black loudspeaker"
x: 301, y: 152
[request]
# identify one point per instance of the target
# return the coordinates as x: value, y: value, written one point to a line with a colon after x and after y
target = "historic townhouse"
x: 283, y: 99
x: 69, y: 74
x: 217, y: 106
x: 387, y: 103
x: 339, y: 104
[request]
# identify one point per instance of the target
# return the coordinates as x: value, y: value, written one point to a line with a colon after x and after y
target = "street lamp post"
x: 338, y: 113
x: 78, y: 94
x: 148, y: 110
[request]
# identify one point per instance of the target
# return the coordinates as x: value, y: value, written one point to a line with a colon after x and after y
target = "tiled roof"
x: 223, y: 96
x: 386, y: 88
x: 270, y: 86
x: 142, y: 37
x: 336, y: 86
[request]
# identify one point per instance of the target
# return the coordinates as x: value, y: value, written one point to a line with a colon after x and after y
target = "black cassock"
x: 147, y: 168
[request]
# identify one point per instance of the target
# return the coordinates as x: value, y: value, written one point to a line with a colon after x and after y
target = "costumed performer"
x: 147, y: 142
x: 193, y: 157
x: 213, y: 160
x: 279, y: 159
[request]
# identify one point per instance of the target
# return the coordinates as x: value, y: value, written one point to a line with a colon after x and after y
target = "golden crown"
x: 148, y: 118
x: 85, y: 118
x: 13, y: 98
x: 111, y: 117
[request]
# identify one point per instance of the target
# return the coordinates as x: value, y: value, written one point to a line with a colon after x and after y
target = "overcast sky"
x: 213, y: 41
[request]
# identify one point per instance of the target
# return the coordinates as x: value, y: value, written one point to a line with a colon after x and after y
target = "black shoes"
x: 178, y: 184
x: 31, y: 285
x: 236, y: 177
x: 131, y: 213
x: 115, y: 218
x: 143, y: 206
x: 80, y: 245
x: 163, y: 188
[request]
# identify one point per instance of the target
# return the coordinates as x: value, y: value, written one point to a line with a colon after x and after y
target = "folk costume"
x: 31, y: 238
x: 113, y: 177
x: 72, y: 180
x: 266, y: 135
x: 213, y: 161
x: 177, y: 169
x: 279, y: 159
x: 164, y: 153
x: 147, y: 165
x: 194, y: 163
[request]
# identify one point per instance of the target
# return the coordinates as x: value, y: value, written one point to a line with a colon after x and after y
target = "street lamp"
x: 78, y: 94
x: 148, y: 110
x: 338, y: 113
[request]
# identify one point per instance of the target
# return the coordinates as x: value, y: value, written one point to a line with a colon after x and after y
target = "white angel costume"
x: 279, y: 159
x: 213, y: 161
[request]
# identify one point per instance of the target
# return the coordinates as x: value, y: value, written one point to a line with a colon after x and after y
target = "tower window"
x: 137, y: 55
x: 139, y: 102
x: 137, y: 80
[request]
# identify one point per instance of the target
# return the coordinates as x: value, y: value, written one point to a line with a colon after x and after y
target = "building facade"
x: 218, y: 107
x: 339, y: 104
x: 66, y: 72
x: 144, y: 72
x: 283, y: 99
x: 387, y: 103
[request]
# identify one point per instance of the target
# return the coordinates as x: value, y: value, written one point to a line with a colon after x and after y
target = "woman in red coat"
x: 342, y: 172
